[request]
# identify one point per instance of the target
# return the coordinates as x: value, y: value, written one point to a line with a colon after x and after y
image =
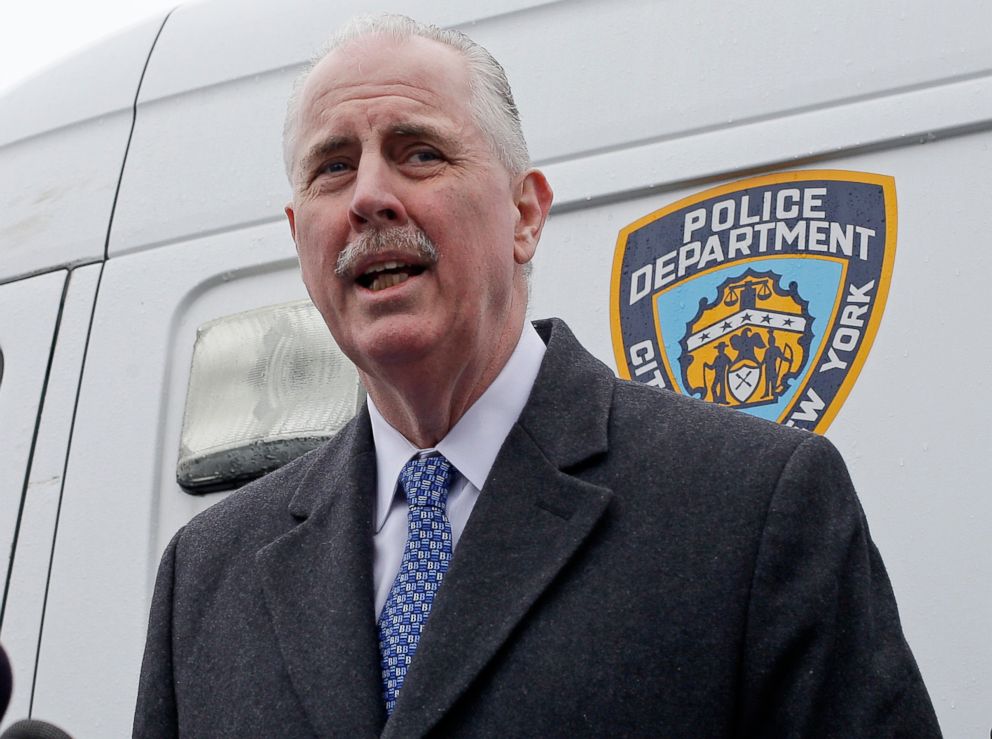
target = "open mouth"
x: 388, y: 274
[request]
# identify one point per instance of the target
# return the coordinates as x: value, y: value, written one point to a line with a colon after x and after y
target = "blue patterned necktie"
x: 425, y: 560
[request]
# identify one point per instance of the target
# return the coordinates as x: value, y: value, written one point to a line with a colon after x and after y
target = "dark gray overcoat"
x: 638, y: 563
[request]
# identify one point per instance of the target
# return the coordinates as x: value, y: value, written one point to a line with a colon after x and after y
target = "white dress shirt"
x: 471, y: 446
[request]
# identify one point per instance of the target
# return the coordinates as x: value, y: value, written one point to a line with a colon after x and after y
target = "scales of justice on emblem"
x: 744, y: 347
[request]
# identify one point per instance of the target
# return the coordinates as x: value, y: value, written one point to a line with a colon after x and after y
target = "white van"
x: 141, y: 197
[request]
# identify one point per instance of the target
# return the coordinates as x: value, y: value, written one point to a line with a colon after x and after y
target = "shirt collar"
x: 473, y: 443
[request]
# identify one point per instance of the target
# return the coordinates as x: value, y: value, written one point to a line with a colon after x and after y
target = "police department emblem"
x: 763, y: 295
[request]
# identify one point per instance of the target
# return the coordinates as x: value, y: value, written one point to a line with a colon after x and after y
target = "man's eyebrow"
x: 324, y: 149
x: 420, y: 131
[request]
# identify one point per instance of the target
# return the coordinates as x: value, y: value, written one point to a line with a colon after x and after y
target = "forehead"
x: 414, y: 75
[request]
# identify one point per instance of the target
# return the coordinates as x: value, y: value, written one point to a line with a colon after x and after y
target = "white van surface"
x: 142, y: 193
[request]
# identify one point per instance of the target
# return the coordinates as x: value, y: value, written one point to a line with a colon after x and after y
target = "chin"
x: 396, y: 341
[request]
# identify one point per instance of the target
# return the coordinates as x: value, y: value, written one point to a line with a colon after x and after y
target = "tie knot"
x: 425, y: 481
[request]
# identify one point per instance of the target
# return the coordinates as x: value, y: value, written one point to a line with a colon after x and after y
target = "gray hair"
x: 492, y: 100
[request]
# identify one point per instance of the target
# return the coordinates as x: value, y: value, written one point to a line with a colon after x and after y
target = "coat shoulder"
x: 697, y: 423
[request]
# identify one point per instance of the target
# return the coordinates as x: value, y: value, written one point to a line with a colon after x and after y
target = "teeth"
x: 384, y: 266
x: 383, y: 281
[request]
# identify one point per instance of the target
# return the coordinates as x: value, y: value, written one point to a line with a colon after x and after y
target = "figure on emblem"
x: 720, y: 365
x: 772, y: 361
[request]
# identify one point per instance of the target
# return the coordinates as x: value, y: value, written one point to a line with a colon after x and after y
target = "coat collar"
x: 332, y: 462
x: 569, y: 409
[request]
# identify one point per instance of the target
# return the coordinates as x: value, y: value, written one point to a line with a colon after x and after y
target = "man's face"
x: 386, y: 140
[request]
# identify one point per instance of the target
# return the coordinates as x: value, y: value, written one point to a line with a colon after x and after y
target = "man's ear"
x: 532, y: 199
x: 291, y: 217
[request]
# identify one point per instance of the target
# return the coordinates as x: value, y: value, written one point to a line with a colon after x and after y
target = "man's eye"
x: 424, y: 156
x: 333, y: 168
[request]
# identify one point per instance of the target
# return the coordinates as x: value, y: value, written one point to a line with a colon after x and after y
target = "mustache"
x: 408, y: 239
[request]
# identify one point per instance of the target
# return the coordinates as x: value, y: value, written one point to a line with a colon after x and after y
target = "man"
x: 595, y: 557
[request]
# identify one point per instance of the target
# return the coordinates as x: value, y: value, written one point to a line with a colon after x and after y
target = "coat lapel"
x: 530, y: 520
x: 317, y: 581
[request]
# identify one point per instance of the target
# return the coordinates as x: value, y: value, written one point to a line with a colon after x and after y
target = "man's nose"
x: 375, y: 201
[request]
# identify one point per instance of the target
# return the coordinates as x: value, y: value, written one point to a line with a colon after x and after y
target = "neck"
x: 424, y: 400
